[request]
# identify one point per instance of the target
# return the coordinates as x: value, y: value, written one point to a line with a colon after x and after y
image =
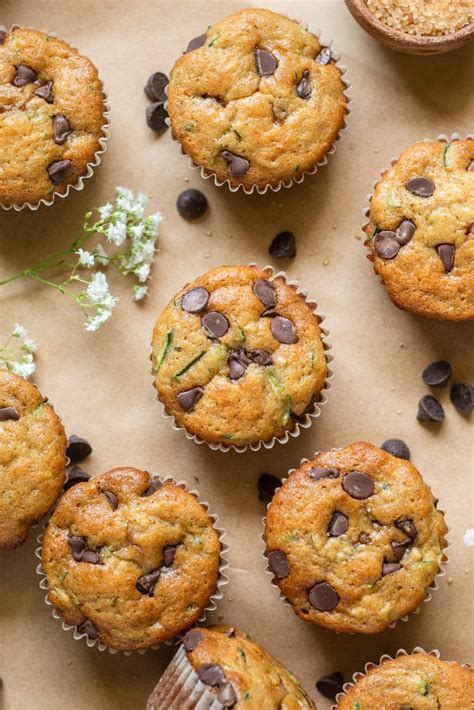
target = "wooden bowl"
x: 404, y: 42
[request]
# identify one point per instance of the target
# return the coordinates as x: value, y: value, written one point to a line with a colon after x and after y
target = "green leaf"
x: 163, y: 352
x: 424, y: 688
x: 214, y: 40
x: 189, y: 365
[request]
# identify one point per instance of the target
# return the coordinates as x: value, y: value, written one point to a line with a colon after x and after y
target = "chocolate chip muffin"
x: 51, y: 116
x: 236, y: 672
x: 256, y: 100
x: 32, y: 458
x: 130, y: 559
x: 354, y: 539
x: 238, y: 356
x: 419, y: 681
x: 421, y: 230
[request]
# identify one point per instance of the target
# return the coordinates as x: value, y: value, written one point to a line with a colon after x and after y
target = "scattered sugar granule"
x: 423, y: 17
x: 468, y: 538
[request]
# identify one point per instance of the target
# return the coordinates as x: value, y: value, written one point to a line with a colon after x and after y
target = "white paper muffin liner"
x: 431, y: 588
x: 48, y: 201
x: 307, y: 418
x: 324, y: 42
x: 369, y: 666
x: 212, y: 605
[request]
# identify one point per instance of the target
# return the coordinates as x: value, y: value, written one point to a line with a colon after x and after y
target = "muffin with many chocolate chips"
x: 32, y: 458
x: 51, y: 116
x: 130, y: 559
x: 236, y: 672
x: 238, y: 356
x: 421, y: 230
x: 256, y: 100
x: 354, y: 539
x: 418, y: 681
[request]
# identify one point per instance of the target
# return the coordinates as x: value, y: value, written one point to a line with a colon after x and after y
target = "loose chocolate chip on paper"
x: 195, y: 43
x: 358, y: 485
x: 429, y: 409
x: 283, y: 330
x: 154, y: 485
x: 390, y: 568
x: 7, y: 413
x: 387, y: 248
x: 283, y: 246
x: 189, y: 398
x: 237, y: 165
x: 267, y: 485
x: 112, y: 498
x: 323, y: 597
x: 195, y: 301
x: 146, y: 583
x: 303, y: 88
x: 77, y: 448
x: 265, y: 62
x: 156, y: 116
x: 420, y: 186
x: 338, y: 524
x: 437, y: 374
x: 76, y: 474
x: 278, y: 563
x: 191, y: 204
x: 168, y: 555
x: 324, y: 56
x: 192, y: 639
x: 318, y: 472
x: 399, y: 548
x: 78, y: 546
x: 462, y: 396
x: 265, y: 292
x: 407, y: 526
x: 330, y: 685
x: 24, y: 75
x: 261, y: 357
x: 61, y: 129
x: 405, y: 232
x: 59, y: 170
x: 211, y: 674
x: 446, y: 253
x: 215, y: 324
x: 88, y: 628
x: 396, y: 447
x: 156, y: 85
x: 46, y: 92
x: 227, y: 695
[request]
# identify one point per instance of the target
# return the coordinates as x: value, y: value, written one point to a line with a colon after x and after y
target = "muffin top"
x: 416, y: 682
x: 32, y: 458
x: 421, y: 230
x: 354, y: 539
x: 242, y: 674
x: 256, y: 99
x: 51, y: 115
x: 237, y: 355
x: 130, y: 559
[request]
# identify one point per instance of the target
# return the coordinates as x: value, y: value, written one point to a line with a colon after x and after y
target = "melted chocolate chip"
x: 230, y: 633
x: 192, y: 639
x: 358, y: 485
x: 446, y: 253
x: 330, y: 685
x: 399, y: 548
x: 283, y: 330
x: 211, y: 674
x: 195, y: 43
x: 278, y: 563
x: 195, y: 301
x: 156, y: 116
x: 323, y: 597
x: 470, y: 167
x: 236, y: 164
x: 46, y: 92
x: 24, y: 75
x: 420, y: 186
x: 462, y: 396
x: 267, y: 485
x: 61, y: 129
x: 59, y: 170
x: 146, y: 583
x: 407, y: 526
x: 76, y: 474
x: 265, y: 62
x: 78, y: 448
x: 236, y: 368
x: 88, y: 628
x: 261, y: 357
x: 215, y: 324
x: 390, y: 568
x: 386, y: 245
x: 153, y: 486
x: 397, y: 448
x: 112, y: 498
x: 156, y: 85
x: 405, y: 232
x: 78, y: 546
x: 318, y: 472
x: 189, y: 398
x: 7, y: 413
x: 168, y: 555
x: 91, y: 556
x: 303, y: 88
x: 227, y: 695
x: 437, y: 374
x: 324, y: 56
x: 191, y: 204
x: 265, y: 292
x: 429, y: 409
x: 283, y: 246
x: 338, y: 524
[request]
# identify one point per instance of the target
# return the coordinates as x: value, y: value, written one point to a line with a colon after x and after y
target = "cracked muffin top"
x: 256, y: 99
x: 130, y: 559
x: 354, y: 539
x: 238, y: 356
x: 421, y: 230
x: 51, y: 115
x: 32, y: 458
x: 419, y: 681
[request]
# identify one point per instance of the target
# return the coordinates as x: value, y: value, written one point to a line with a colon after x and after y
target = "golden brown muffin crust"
x: 325, y: 535
x: 32, y: 458
x: 217, y: 100
x: 129, y: 522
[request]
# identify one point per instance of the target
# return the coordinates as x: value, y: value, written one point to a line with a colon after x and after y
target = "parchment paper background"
x: 100, y: 382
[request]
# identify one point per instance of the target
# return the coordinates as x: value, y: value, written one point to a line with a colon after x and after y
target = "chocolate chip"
x: 399, y: 548
x: 227, y: 695
x: 261, y: 357
x: 76, y: 474
x: 437, y: 374
x: 265, y: 62
x: 88, y: 628
x: 192, y: 639
x: 267, y: 485
x: 405, y: 232
x: 7, y: 413
x: 3, y: 36
x: 283, y: 330
x: 429, y: 409
x: 59, y: 170
x: 61, y: 129
x: 318, y: 472
x: 156, y: 85
x: 78, y: 448
x: 323, y: 597
x: 215, y: 324
x: 283, y: 246
x: 241, y: 356
x: 364, y: 538
x: 324, y: 56
x: 303, y: 88
x: 387, y: 247
x: 24, y: 75
x: 470, y: 167
x: 146, y: 583
x: 211, y: 674
x: 189, y: 398
x: 330, y: 685
x: 237, y: 165
x: 265, y: 292
x: 156, y: 116
x: 462, y: 396
x: 236, y: 369
x: 407, y: 526
x: 397, y: 448
x: 46, y: 92
x: 446, y: 253
x: 338, y: 524
x: 112, y: 498
x: 168, y: 555
x: 191, y: 204
x: 278, y: 563
x: 91, y: 556
x: 196, y: 43
x: 195, y: 301
x: 154, y: 485
x: 269, y: 313
x: 420, y: 186
x: 390, y: 568
x: 78, y: 546
x: 358, y: 485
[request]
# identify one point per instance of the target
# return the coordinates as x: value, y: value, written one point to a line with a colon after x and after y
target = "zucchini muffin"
x: 236, y: 672
x: 354, y: 539
x: 238, y: 356
x: 51, y: 116
x: 256, y: 100
x: 419, y: 681
x: 130, y: 559
x: 32, y: 458
x: 421, y: 230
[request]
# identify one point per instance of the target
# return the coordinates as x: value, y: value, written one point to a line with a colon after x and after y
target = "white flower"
x: 25, y: 368
x: 98, y: 289
x: 85, y: 258
x: 101, y: 255
x: 19, y: 331
x: 28, y: 343
x: 153, y: 222
x: 117, y: 233
x: 137, y: 230
x: 124, y: 192
x: 468, y: 538
x: 94, y: 322
x: 105, y: 211
x: 143, y: 272
x: 139, y: 292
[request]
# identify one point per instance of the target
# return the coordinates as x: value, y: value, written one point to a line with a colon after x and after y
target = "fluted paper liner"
x: 212, y: 605
x: 48, y: 201
x: 306, y: 418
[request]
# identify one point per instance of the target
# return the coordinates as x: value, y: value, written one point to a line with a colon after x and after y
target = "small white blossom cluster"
x: 22, y: 362
x: 98, y: 298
